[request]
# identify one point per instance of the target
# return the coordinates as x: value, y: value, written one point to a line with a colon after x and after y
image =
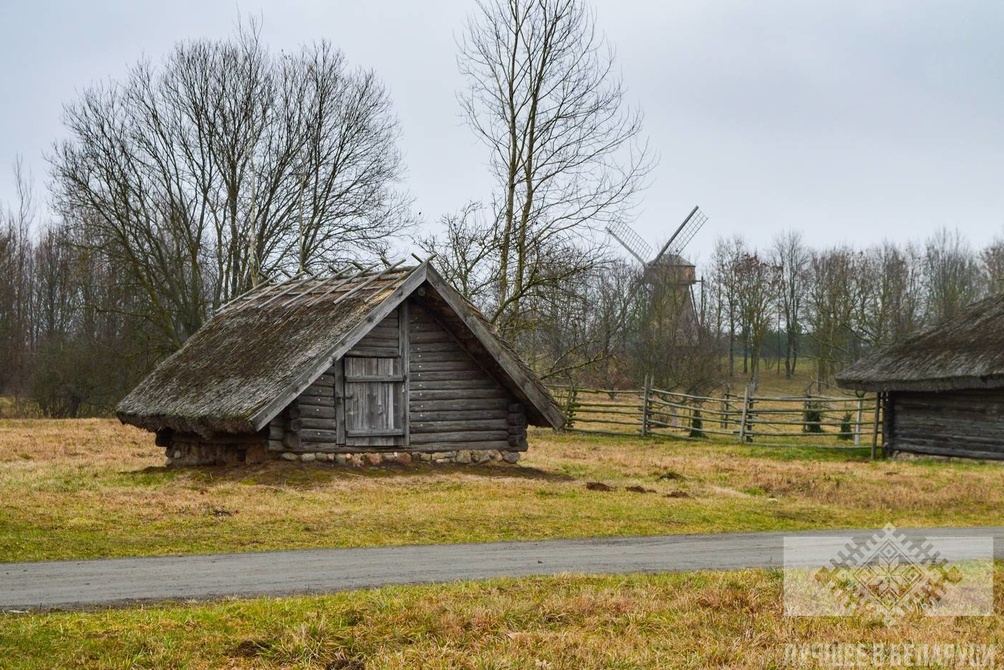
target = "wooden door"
x: 375, y: 402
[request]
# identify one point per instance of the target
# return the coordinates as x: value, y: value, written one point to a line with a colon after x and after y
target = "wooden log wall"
x: 311, y: 420
x: 950, y: 423
x: 453, y: 402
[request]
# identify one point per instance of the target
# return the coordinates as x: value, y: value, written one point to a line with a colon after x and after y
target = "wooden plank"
x: 373, y: 352
x: 460, y: 415
x: 318, y: 412
x: 317, y: 424
x: 433, y: 347
x: 276, y: 432
x: 455, y: 355
x: 462, y: 436
x: 315, y: 435
x: 445, y: 385
x: 369, y: 443
x: 453, y: 404
x: 445, y: 375
x: 364, y: 379
x: 455, y: 426
x: 467, y: 366
x: 315, y: 401
x: 327, y: 391
x: 462, y: 394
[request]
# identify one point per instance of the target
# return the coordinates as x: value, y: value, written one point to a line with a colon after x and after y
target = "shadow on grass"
x: 314, y: 475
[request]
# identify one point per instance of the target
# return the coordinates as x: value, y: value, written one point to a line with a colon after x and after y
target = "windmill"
x: 671, y: 276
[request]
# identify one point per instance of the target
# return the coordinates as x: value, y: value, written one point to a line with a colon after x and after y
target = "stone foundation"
x: 182, y: 454
x: 460, y: 457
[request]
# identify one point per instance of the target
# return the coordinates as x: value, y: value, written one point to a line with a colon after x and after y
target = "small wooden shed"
x: 942, y: 390
x: 381, y: 365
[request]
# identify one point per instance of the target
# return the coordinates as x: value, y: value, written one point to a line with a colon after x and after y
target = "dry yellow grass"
x: 82, y: 489
x: 700, y: 620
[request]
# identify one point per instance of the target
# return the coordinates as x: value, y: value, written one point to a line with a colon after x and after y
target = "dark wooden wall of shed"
x: 452, y: 402
x: 949, y: 423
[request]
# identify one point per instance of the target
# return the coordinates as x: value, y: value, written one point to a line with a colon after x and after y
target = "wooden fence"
x: 746, y: 417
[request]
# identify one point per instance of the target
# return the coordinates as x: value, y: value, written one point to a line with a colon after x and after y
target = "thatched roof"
x: 250, y: 360
x: 964, y: 353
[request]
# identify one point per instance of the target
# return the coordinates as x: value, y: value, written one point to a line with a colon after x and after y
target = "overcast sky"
x: 852, y: 121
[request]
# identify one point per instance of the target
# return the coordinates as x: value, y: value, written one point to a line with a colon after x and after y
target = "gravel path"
x: 93, y: 583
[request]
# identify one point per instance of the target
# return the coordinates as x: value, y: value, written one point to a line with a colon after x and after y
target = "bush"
x: 813, y: 417
x: 846, y: 431
x: 696, y: 424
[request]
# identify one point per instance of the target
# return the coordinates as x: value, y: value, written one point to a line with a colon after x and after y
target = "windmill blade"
x: 630, y: 240
x: 684, y: 233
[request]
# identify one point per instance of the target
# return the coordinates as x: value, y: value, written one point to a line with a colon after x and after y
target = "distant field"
x: 93, y: 488
x: 700, y: 620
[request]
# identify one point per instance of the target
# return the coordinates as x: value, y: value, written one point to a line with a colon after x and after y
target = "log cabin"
x: 942, y: 390
x: 367, y: 367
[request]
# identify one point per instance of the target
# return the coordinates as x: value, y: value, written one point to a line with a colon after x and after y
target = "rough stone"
x: 480, y: 457
x: 463, y: 457
x: 495, y: 455
x: 441, y: 461
x: 425, y: 457
x: 374, y: 458
x: 341, y: 459
x: 447, y: 455
x: 356, y: 460
x: 287, y: 456
x: 308, y: 458
x: 510, y: 456
x: 404, y: 459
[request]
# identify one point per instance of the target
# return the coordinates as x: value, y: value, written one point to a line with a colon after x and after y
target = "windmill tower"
x: 670, y: 276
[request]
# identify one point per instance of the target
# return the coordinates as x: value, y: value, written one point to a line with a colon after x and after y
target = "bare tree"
x: 889, y: 289
x: 992, y: 260
x: 543, y: 95
x: 16, y: 268
x: 226, y: 165
x: 757, y: 289
x: 953, y: 275
x: 830, y: 303
x: 789, y: 253
x: 725, y: 260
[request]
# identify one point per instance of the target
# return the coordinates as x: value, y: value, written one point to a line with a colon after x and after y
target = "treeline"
x: 782, y: 305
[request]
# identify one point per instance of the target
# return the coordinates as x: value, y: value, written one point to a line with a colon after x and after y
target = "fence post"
x: 857, y: 424
x: 742, y: 421
x: 875, y: 424
x: 644, y: 405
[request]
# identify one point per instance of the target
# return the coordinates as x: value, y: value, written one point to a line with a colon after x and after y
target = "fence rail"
x: 745, y: 418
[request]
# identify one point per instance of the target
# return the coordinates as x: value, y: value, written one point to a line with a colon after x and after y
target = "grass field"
x: 699, y: 620
x: 94, y: 488
x: 75, y: 489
